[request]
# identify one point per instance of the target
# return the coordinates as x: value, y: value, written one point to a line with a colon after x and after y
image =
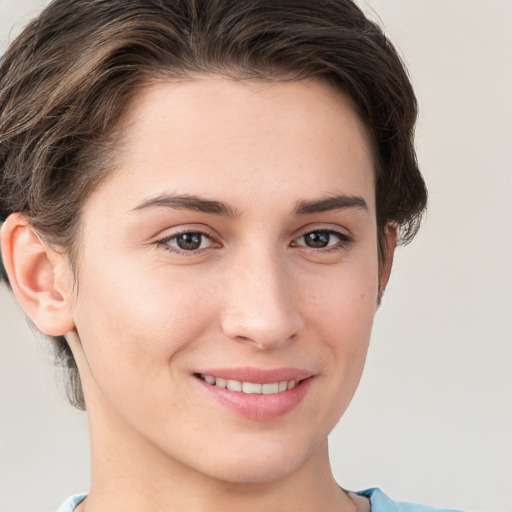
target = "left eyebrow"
x: 188, y: 202
x: 338, y: 202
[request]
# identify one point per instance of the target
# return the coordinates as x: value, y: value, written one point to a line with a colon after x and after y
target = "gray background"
x: 432, y: 420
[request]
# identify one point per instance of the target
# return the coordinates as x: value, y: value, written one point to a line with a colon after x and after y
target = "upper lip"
x: 257, y: 375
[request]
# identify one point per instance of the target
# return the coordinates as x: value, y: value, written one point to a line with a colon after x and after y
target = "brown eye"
x: 323, y: 239
x: 317, y: 239
x: 189, y: 241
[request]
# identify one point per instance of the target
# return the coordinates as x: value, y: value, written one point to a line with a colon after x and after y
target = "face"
x: 228, y: 277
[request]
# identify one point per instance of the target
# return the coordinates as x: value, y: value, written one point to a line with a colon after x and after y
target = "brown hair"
x: 67, y: 79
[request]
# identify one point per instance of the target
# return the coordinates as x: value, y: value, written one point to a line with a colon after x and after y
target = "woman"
x: 201, y: 202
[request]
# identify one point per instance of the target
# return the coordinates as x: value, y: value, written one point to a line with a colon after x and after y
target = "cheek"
x: 340, y: 317
x: 135, y: 326
x: 342, y: 310
x: 348, y: 297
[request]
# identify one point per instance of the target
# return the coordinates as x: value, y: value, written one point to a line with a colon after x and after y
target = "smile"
x: 250, y: 388
x: 257, y: 394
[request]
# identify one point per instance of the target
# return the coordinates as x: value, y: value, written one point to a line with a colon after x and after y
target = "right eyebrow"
x: 188, y: 202
x: 337, y: 202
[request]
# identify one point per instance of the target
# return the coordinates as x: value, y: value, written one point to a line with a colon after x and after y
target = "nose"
x: 260, y: 306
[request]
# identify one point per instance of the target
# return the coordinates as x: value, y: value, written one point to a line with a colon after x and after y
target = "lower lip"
x: 259, y: 406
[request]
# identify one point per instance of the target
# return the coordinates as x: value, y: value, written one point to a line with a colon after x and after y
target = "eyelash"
x: 343, y: 241
x: 164, y: 242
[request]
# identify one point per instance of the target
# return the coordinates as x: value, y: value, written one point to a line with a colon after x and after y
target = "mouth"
x: 250, y: 388
x: 255, y: 394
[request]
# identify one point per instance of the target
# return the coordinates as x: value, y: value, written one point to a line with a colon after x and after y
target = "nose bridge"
x: 259, y: 306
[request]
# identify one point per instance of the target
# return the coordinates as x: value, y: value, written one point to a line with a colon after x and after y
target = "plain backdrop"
x: 432, y: 419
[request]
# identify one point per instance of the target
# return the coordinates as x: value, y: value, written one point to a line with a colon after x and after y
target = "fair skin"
x: 275, y: 279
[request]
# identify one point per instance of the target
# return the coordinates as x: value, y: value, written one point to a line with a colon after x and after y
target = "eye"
x: 187, y: 241
x: 322, y: 239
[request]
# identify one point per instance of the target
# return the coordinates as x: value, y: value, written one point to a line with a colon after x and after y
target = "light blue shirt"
x: 70, y: 504
x: 379, y: 502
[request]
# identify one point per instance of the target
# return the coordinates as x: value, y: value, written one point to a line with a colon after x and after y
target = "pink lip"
x: 254, y: 406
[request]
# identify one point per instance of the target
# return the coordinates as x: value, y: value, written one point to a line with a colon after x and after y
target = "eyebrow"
x: 338, y: 202
x: 188, y: 202
x: 199, y: 204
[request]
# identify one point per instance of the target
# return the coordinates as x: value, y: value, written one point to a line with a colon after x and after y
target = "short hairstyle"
x: 67, y: 80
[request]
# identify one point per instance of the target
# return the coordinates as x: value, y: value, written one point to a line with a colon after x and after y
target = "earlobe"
x: 37, y: 277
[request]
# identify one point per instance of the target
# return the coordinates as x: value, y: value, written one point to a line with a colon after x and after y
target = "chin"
x: 254, y: 473
x: 259, y: 465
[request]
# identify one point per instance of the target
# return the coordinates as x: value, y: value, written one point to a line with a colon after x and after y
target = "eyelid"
x: 179, y: 229
x: 327, y: 228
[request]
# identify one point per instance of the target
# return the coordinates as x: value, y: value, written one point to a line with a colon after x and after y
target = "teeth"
x: 253, y: 388
x: 270, y: 389
x: 250, y: 387
x: 234, y: 385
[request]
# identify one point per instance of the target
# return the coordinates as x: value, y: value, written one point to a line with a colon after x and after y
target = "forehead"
x: 195, y: 106
x: 242, y: 136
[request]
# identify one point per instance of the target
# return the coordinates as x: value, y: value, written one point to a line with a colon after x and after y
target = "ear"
x: 39, y: 276
x: 388, y: 252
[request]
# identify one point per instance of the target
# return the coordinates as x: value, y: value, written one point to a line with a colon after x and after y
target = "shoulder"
x: 70, y: 504
x: 380, y: 502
